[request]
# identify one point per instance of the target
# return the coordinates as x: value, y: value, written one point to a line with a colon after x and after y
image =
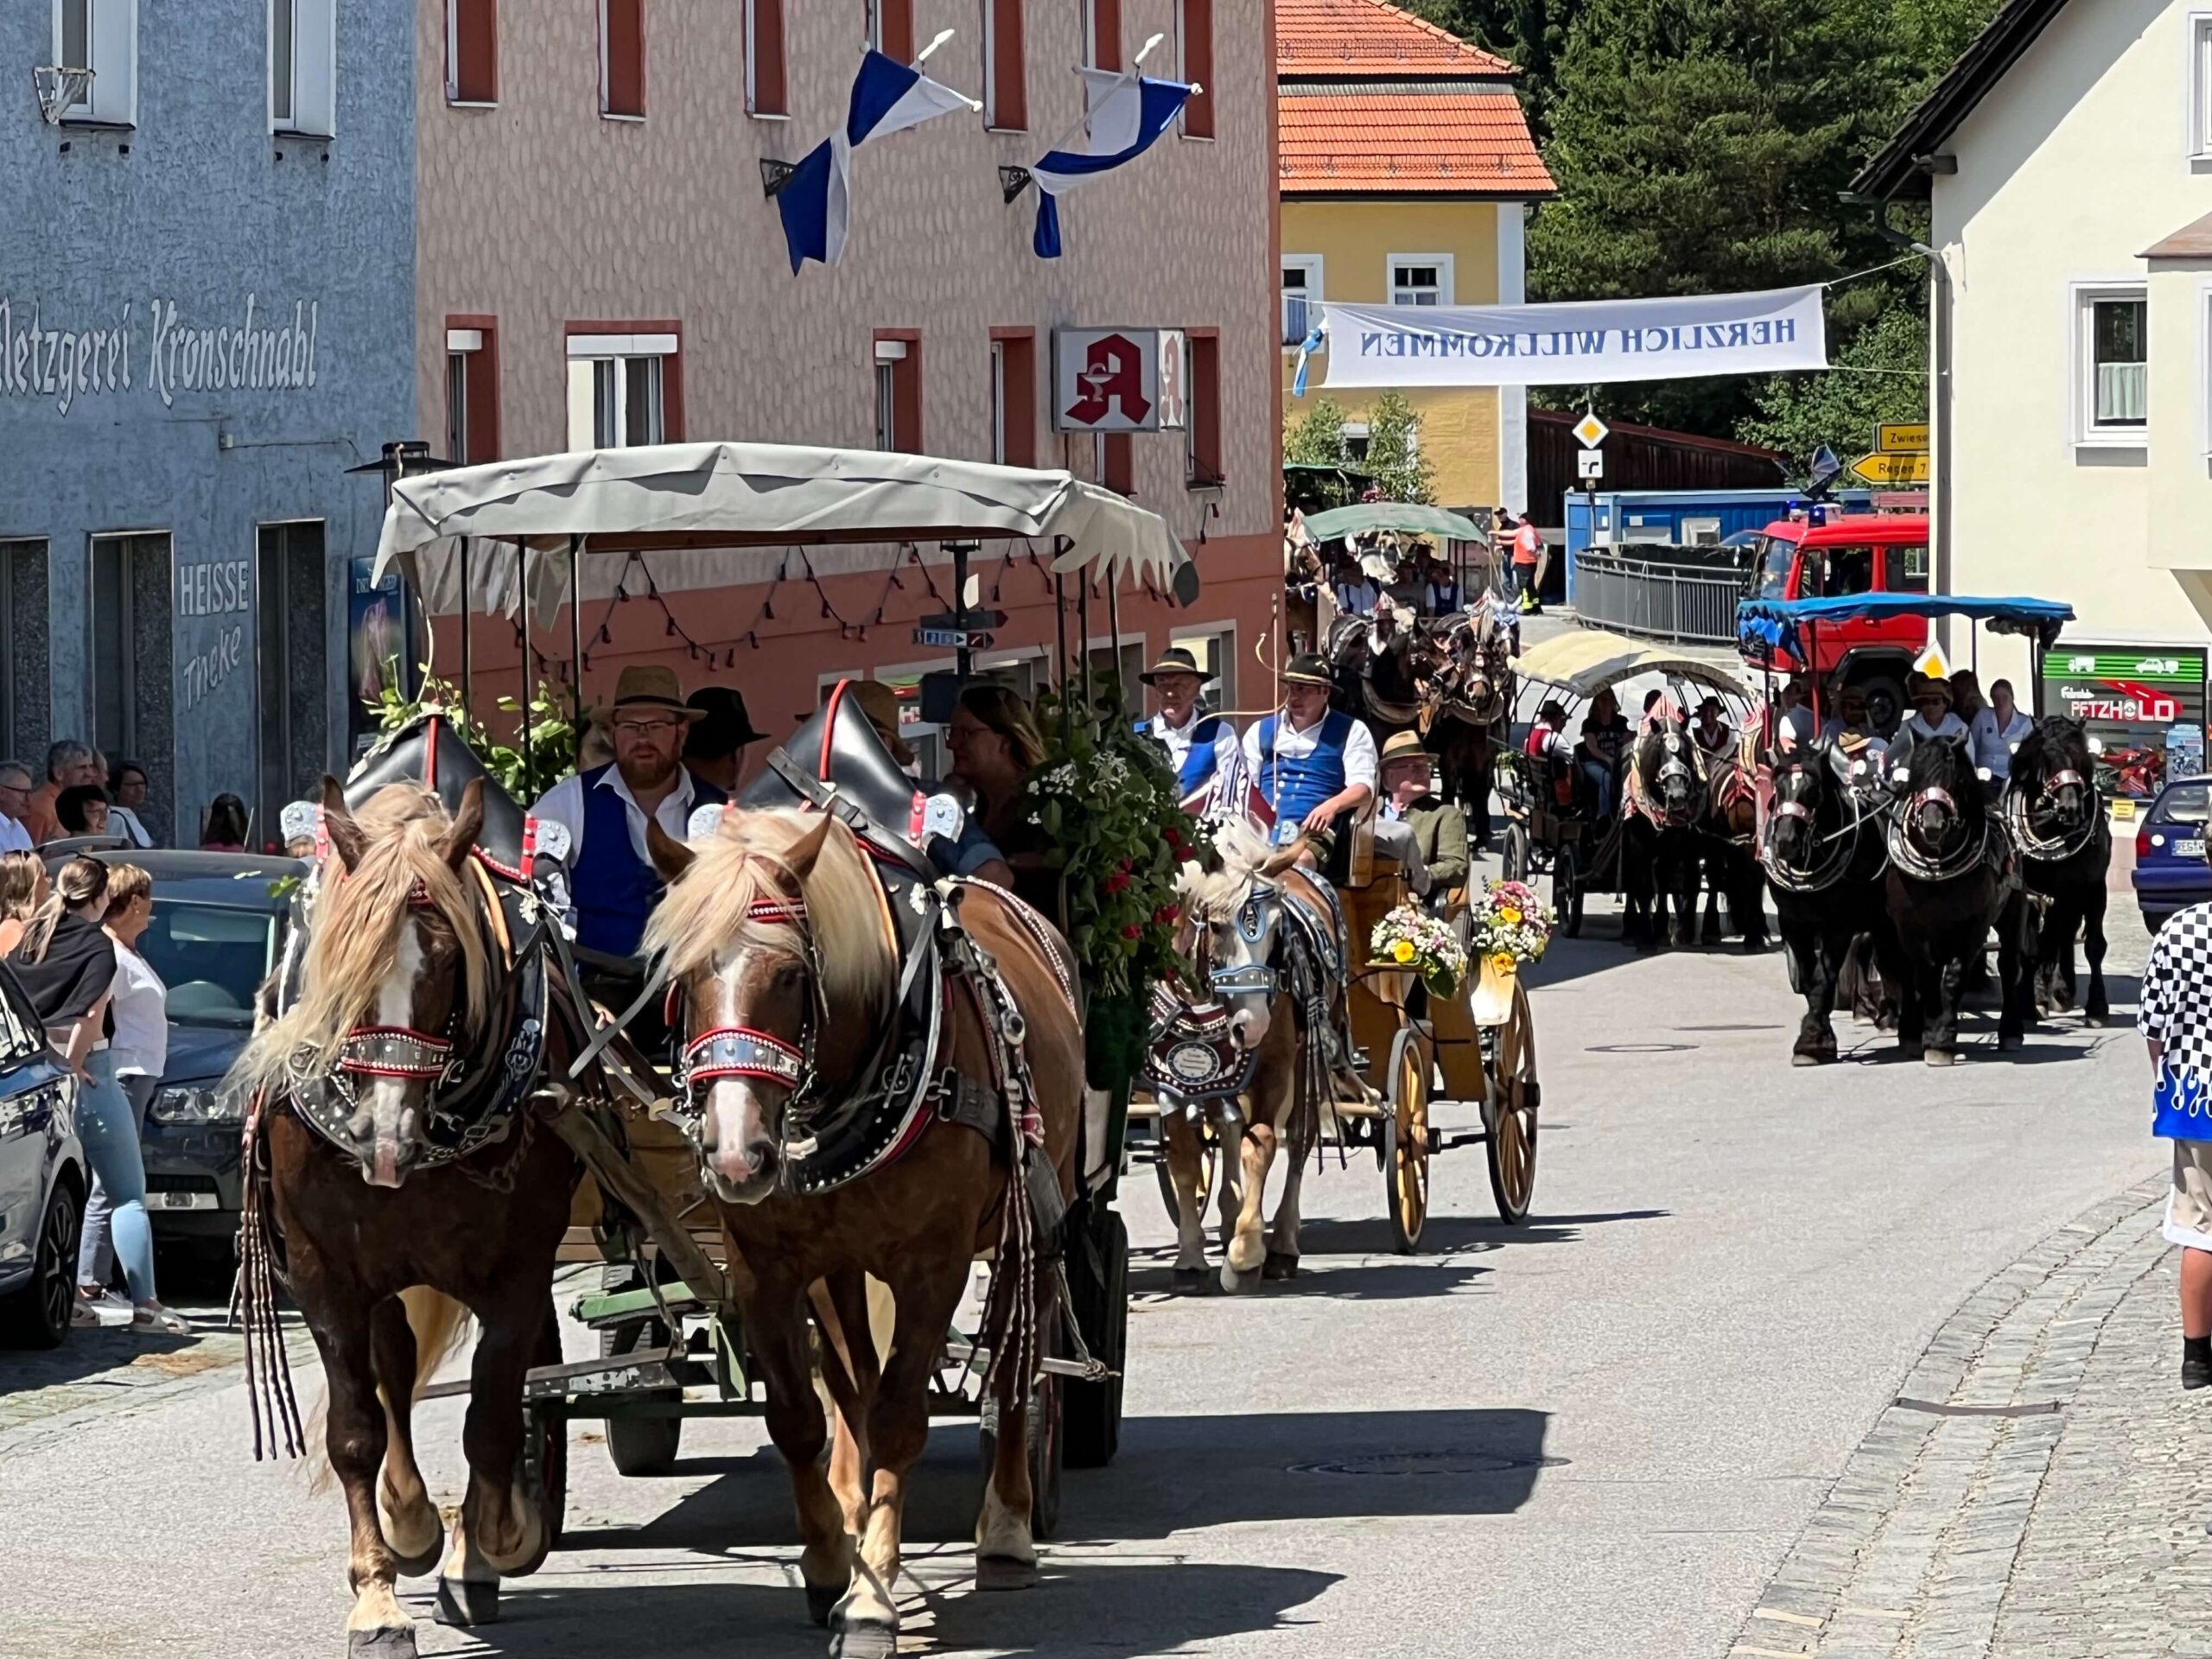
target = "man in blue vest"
x: 605, y: 809
x: 1202, y: 748
x: 1314, y: 763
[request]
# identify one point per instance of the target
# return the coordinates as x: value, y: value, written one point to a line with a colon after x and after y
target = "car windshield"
x: 1774, y: 567
x: 212, y: 958
x: 2185, y: 803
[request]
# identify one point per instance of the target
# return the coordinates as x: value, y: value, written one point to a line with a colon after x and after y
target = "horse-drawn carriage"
x: 1554, y: 826
x: 875, y: 1078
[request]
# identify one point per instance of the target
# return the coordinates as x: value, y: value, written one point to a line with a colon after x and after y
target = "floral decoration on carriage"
x: 1509, y: 925
x: 1423, y: 945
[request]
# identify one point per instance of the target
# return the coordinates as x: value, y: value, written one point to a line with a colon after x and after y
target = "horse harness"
x: 2020, y: 813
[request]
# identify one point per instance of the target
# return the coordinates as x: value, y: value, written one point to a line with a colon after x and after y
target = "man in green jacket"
x: 1438, y: 829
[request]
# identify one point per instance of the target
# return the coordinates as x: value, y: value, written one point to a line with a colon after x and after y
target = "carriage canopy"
x: 1405, y: 518
x: 1771, y: 623
x: 1586, y: 661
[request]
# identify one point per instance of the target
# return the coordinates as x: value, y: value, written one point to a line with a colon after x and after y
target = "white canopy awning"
x: 736, y: 509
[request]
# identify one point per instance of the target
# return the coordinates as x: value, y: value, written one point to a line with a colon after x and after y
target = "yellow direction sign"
x: 1893, y: 469
x: 1902, y: 437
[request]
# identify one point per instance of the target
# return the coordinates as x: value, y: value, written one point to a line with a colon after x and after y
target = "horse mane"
x: 2051, y: 746
x: 708, y: 909
x: 1943, y: 763
x: 1212, y: 896
x: 353, y: 940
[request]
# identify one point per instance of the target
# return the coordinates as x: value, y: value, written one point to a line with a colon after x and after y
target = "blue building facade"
x: 206, y: 316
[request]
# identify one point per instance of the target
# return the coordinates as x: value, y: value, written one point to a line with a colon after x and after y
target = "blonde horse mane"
x: 1249, y: 862
x: 706, y: 911
x: 354, y: 940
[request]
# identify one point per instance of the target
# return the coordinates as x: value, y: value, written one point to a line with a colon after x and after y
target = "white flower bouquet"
x: 1422, y: 944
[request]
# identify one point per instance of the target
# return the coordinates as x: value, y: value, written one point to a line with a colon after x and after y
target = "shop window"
x: 131, y: 637
x: 26, y: 682
x: 622, y: 58
x: 2112, y: 341
x: 764, y: 74
x: 472, y: 51
x: 1194, y: 62
x: 472, y: 391
x: 303, y: 66
x: 623, y: 389
x: 1202, y: 433
x: 290, y: 613
x: 1421, y: 279
x: 1013, y: 398
x: 1102, y: 34
x: 1006, y: 78
x: 101, y: 35
x: 898, y: 391
x: 891, y: 28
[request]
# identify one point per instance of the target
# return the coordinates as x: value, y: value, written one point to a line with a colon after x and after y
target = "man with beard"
x: 605, y: 809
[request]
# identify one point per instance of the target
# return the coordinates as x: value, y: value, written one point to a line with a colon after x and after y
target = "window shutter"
x: 1205, y: 409
x: 1009, y: 89
x: 764, y: 75
x: 1196, y: 19
x: 1117, y: 461
x: 622, y: 57
x: 473, y: 46
x: 583, y: 404
x: 314, y: 67
x: 895, y: 29
x: 1106, y: 34
x: 115, y: 62
x: 480, y: 377
x: 1018, y: 367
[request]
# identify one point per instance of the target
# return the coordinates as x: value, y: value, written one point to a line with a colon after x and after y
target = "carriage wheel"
x: 638, y: 1446
x: 1510, y: 1128
x: 1209, y: 1169
x: 1098, y: 1287
x: 1404, y: 1126
x: 1566, y: 890
x: 1514, y: 861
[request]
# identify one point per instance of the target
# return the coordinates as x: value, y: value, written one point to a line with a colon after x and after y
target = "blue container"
x: 1679, y: 517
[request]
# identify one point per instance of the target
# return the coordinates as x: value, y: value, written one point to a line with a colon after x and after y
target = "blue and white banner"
x: 1127, y: 113
x: 1582, y: 343
x: 816, y: 201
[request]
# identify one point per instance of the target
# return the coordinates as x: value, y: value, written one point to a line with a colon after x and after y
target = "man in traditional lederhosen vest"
x: 1314, y: 763
x: 605, y: 809
x: 1202, y: 748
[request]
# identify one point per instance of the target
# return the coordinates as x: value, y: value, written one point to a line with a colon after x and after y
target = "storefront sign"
x: 2143, y: 707
x: 1106, y: 380
x: 164, y: 350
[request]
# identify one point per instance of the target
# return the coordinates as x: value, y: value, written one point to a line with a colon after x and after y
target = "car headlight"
x: 198, y: 1103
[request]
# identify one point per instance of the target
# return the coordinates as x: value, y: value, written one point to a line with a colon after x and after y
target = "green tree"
x: 1882, y: 375
x: 1528, y: 33
x: 1394, y: 456
x: 1317, y: 437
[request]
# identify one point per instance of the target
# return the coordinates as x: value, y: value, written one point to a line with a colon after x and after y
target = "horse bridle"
x: 1253, y: 978
x: 402, y: 1051
x: 746, y: 1051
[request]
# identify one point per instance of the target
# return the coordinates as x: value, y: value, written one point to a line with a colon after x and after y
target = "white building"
x: 2067, y: 161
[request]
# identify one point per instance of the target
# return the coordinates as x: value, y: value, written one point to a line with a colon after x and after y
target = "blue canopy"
x: 1771, y: 623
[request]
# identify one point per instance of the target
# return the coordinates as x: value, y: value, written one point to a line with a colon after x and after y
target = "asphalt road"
x: 1597, y: 1434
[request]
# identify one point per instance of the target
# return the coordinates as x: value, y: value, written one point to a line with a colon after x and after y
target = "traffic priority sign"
x: 1892, y: 468
x: 1591, y: 431
x: 1590, y: 464
x: 1901, y: 437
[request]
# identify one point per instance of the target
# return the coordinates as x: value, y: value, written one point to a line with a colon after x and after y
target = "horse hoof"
x: 1280, y: 1264
x: 466, y: 1603
x: 853, y: 1640
x: 2009, y: 1042
x: 2097, y: 1019
x: 1804, y: 1056
x: 398, y: 1644
x: 1938, y: 1056
x: 1236, y: 1283
x: 1752, y: 947
x: 1911, y: 1048
x: 1190, y: 1281
x: 1005, y: 1573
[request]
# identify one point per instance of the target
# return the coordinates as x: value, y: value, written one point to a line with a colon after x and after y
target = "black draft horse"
x: 2056, y: 821
x: 1952, y: 877
x: 1661, y: 847
x: 1378, y: 674
x: 1823, y: 855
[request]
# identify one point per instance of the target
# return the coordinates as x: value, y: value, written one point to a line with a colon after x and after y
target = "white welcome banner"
x: 1581, y: 343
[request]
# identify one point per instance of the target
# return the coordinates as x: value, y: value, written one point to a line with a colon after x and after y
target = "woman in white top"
x: 1997, y: 729
x: 138, y: 1009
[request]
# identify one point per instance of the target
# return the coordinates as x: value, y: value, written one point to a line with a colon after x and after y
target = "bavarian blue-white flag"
x: 1307, y: 347
x: 816, y: 201
x: 1127, y: 113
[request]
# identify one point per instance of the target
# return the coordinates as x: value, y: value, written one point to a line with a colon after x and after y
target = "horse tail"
x: 440, y: 1325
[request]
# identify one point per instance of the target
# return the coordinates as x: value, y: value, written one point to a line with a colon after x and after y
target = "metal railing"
x: 1689, y: 603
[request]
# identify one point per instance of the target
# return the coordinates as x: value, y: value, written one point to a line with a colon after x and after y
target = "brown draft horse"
x: 402, y: 961
x: 775, y: 930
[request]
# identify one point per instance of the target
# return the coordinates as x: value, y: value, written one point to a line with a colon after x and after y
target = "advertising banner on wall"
x: 1582, y: 343
x: 2143, y: 706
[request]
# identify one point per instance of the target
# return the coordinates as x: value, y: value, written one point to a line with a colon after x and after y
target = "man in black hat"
x: 1313, y: 763
x: 1202, y: 748
x: 713, y: 750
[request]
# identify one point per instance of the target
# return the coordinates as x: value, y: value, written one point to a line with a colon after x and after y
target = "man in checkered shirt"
x: 2176, y: 1019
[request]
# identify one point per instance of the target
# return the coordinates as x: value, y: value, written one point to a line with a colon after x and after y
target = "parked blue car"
x: 43, y: 1179
x: 2170, y: 873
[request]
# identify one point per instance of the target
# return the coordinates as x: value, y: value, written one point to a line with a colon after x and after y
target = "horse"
x: 1664, y: 800
x: 779, y: 940
x: 1822, y: 852
x: 2057, y: 825
x: 1378, y: 678
x: 1952, y: 877
x: 1465, y: 708
x: 1255, y: 956
x: 1730, y: 862
x: 409, y: 1189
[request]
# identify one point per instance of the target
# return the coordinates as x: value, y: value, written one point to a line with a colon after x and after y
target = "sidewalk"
x: 2040, y: 1489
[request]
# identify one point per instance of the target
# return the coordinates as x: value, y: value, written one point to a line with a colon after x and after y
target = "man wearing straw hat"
x: 1427, y: 836
x: 1314, y: 763
x: 1202, y: 748
x: 605, y: 809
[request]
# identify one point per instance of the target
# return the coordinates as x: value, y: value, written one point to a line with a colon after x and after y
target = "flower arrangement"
x: 1509, y: 925
x: 1412, y: 937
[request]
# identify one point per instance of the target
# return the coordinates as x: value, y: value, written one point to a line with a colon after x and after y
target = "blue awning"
x: 1773, y: 623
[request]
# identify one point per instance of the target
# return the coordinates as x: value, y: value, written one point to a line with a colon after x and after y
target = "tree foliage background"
x: 1701, y: 146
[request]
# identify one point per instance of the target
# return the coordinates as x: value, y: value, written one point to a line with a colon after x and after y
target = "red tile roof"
x: 1370, y: 38
x: 1410, y: 143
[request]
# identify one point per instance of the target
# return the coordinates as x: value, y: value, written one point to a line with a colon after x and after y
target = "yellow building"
x: 1406, y: 165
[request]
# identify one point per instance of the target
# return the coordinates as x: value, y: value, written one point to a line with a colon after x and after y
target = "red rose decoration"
x: 1167, y: 915
x: 1117, y: 881
x: 1133, y: 932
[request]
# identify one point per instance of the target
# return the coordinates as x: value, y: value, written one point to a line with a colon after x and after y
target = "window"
x: 765, y: 94
x: 1006, y: 78
x: 1356, y: 437
x: 1216, y: 655
x: 622, y: 390
x: 1102, y: 34
x: 1202, y: 434
x: 1421, y: 279
x: 622, y: 59
x: 130, y: 637
x: 1117, y: 462
x: 303, y: 66
x: 1905, y: 569
x: 2199, y: 87
x: 1014, y: 396
x: 899, y: 390
x: 290, y: 616
x: 472, y: 51
x: 1194, y: 62
x: 891, y: 28
x: 2114, y: 333
x: 1301, y: 292
x: 472, y: 390
x: 26, y: 686
x: 101, y: 35
x: 1845, y: 571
